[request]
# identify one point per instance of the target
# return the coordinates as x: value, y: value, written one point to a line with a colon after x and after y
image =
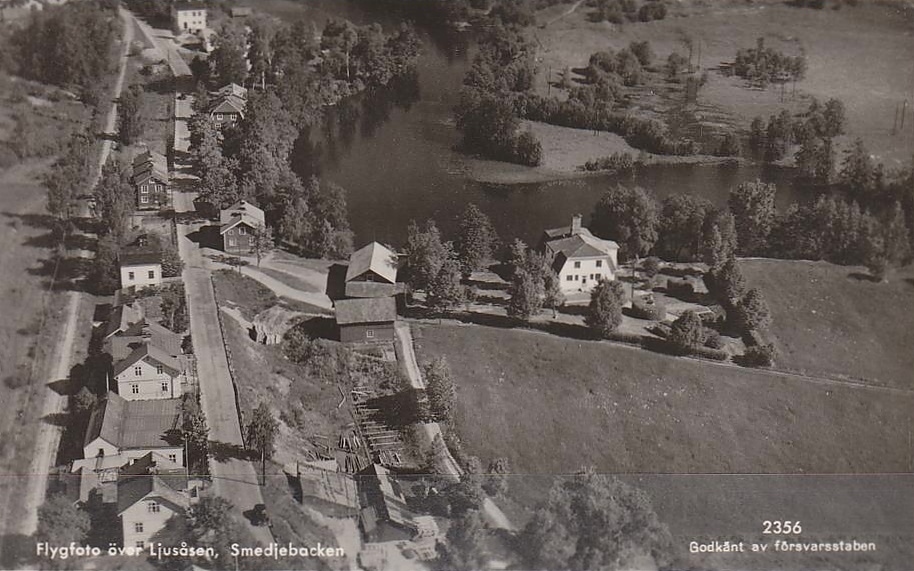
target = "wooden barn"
x: 366, y: 320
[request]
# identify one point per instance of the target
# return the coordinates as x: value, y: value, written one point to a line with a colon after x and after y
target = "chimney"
x: 575, y: 224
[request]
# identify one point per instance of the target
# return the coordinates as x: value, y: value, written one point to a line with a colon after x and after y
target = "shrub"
x: 646, y: 308
x: 528, y: 150
x: 760, y: 355
x: 616, y: 162
x: 709, y: 353
x: 652, y: 11
x: 678, y: 286
x: 687, y: 331
x: 713, y: 339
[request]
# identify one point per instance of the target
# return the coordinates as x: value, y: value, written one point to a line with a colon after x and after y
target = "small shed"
x: 366, y: 320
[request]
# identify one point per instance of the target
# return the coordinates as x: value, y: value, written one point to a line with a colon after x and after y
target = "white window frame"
x: 138, y: 527
x: 164, y: 386
x: 369, y: 333
x: 135, y: 389
x: 153, y: 507
x: 151, y: 274
x: 138, y: 371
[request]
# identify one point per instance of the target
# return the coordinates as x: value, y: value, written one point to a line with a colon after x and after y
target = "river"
x: 394, y: 152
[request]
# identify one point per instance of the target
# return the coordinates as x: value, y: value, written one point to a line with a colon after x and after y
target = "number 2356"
x: 782, y: 527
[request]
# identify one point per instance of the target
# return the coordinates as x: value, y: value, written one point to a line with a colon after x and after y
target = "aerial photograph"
x: 457, y: 285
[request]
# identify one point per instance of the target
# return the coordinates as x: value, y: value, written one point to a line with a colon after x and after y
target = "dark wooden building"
x: 366, y: 320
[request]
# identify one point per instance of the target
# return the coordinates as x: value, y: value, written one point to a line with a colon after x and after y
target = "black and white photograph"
x: 457, y: 285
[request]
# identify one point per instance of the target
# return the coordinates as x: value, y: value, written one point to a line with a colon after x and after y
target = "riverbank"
x: 565, y: 150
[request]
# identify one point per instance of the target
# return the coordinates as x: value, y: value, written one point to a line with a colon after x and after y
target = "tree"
x: 105, y: 275
x: 465, y: 545
x: 857, y: 174
x: 753, y: 208
x: 643, y: 52
x: 896, y: 237
x: 262, y: 241
x: 445, y: 292
x: 114, y: 200
x: 719, y: 238
x: 172, y: 264
x: 594, y: 522
x: 628, y: 216
x: 553, y: 296
x: 527, y: 291
x: 477, y: 240
x: 261, y: 434
x: 497, y: 482
x: 687, y: 332
x: 131, y: 121
x: 674, y: 65
x: 60, y: 522
x: 727, y: 283
x: 440, y: 389
x: 833, y: 118
x: 211, y: 524
x: 681, y: 220
x: 84, y: 401
x: 605, y: 311
x: 196, y: 435
x: 752, y: 311
x: 229, y: 57
x: 425, y: 254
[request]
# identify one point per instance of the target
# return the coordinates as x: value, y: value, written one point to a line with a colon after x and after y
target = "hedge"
x: 655, y: 311
x: 622, y: 337
x: 678, y: 286
x: 709, y: 353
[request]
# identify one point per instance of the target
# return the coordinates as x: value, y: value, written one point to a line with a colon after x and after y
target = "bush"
x: 760, y: 355
x: 647, y: 308
x: 528, y: 150
x: 652, y: 11
x: 621, y: 337
x: 616, y: 162
x: 713, y: 339
x: 709, y: 353
x: 679, y: 286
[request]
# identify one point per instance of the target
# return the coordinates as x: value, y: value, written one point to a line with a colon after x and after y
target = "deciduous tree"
x: 687, y: 332
x: 261, y: 434
x: 440, y: 389
x: 477, y: 239
x: 605, y: 310
x: 753, y: 208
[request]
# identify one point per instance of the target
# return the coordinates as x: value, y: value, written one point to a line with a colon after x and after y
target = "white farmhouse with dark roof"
x: 580, y: 259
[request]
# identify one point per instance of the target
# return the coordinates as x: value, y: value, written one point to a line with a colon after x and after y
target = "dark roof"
x: 367, y: 310
x: 123, y: 343
x: 134, y: 424
x: 371, y: 289
x: 228, y: 104
x: 140, y: 257
x: 373, y: 257
x: 132, y: 489
x: 333, y: 487
x: 189, y: 6
x: 121, y: 318
x: 149, y: 352
x: 382, y: 497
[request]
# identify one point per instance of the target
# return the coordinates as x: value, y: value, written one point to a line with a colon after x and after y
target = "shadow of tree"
x: 400, y: 409
x: 207, y: 237
x: 222, y: 451
x: 336, y: 282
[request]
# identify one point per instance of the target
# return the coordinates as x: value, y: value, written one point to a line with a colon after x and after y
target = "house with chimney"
x: 580, y: 259
x: 151, y: 181
x: 140, y: 267
x: 238, y: 226
x: 147, y: 362
x: 150, y: 491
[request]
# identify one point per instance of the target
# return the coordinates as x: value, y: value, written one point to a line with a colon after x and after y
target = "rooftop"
x: 132, y: 489
x: 145, y: 350
x: 134, y: 424
x: 373, y: 257
x: 367, y: 310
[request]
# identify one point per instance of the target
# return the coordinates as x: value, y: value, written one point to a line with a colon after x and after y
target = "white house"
x: 134, y: 428
x: 141, y: 269
x: 146, y: 502
x: 580, y: 259
x: 148, y: 372
x: 189, y: 16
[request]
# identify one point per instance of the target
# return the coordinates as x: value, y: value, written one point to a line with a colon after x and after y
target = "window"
x: 231, y: 241
x: 130, y: 276
x: 143, y: 188
x: 101, y: 452
x: 570, y: 278
x: 153, y: 507
x: 370, y: 334
x: 152, y: 274
x: 577, y: 265
x: 138, y: 527
x: 144, y: 199
x: 576, y: 277
x: 140, y: 544
x: 137, y: 371
x: 164, y: 387
x: 135, y: 389
x: 160, y: 369
x: 599, y: 263
x: 173, y: 457
x: 242, y: 230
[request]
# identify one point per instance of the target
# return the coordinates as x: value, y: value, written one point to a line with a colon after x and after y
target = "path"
x: 55, y: 403
x: 564, y: 14
x: 432, y: 430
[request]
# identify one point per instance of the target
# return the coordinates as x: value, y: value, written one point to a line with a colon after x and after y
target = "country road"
x: 54, y: 402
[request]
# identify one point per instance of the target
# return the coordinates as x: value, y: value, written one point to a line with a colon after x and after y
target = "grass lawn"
x: 553, y: 405
x: 865, y: 74
x: 830, y: 320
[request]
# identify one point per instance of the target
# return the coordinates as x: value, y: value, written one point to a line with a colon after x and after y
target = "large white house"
x: 580, y: 259
x: 147, y: 372
x: 189, y: 16
x: 146, y: 502
x: 140, y: 268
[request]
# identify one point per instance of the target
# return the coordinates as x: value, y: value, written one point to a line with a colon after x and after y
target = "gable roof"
x: 239, y: 208
x: 228, y: 104
x: 150, y: 164
x: 122, y: 317
x: 582, y: 244
x: 139, y: 257
x: 329, y: 486
x: 125, y: 341
x: 132, y: 489
x: 134, y: 424
x: 182, y: 6
x: 147, y: 351
x: 246, y: 219
x: 382, y: 497
x: 233, y: 88
x: 373, y: 257
x: 365, y: 310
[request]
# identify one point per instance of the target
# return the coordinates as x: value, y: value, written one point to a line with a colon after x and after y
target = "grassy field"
x: 553, y: 405
x: 830, y: 320
x: 857, y: 54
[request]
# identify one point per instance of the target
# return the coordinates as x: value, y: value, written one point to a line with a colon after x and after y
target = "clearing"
x: 834, y: 321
